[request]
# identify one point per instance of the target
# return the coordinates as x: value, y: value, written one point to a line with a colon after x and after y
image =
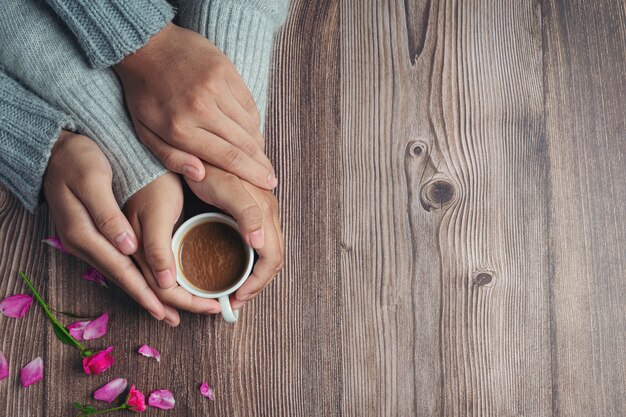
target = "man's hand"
x: 189, y: 104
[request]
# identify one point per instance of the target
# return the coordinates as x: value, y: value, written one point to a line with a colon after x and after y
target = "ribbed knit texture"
x: 29, y: 128
x: 108, y: 30
x: 38, y: 50
x: 244, y: 30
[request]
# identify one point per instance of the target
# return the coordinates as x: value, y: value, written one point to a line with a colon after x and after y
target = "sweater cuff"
x: 241, y: 29
x: 29, y: 127
x: 108, y: 30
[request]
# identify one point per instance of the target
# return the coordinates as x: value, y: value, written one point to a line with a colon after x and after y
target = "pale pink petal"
x: 32, y: 373
x: 96, y: 328
x: 55, y: 242
x: 162, y: 398
x: 16, y: 305
x: 4, y: 367
x: 77, y: 329
x: 206, y: 390
x: 111, y: 390
x: 92, y: 274
x: 150, y: 352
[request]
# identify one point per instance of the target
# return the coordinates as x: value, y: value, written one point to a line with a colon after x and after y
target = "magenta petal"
x: 98, y: 362
x: 55, y: 242
x: 96, y: 328
x: 16, y: 305
x: 77, y: 329
x: 92, y: 274
x: 206, y: 391
x: 162, y: 398
x: 150, y: 352
x: 111, y: 390
x: 4, y: 367
x: 32, y: 373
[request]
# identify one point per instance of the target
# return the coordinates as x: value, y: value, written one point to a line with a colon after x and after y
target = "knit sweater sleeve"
x: 29, y: 128
x: 108, y: 30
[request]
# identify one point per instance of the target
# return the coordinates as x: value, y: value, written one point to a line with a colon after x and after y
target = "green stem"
x: 108, y: 410
x: 49, y: 313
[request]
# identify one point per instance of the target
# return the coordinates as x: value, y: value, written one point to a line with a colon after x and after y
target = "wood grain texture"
x: 453, y: 202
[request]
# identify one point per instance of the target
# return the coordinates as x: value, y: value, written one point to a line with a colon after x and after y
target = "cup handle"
x: 230, y: 315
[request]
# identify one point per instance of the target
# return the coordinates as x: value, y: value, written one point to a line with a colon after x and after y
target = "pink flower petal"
x: 162, y: 398
x: 111, y: 390
x: 55, y: 242
x: 92, y: 274
x: 16, y: 305
x: 150, y: 352
x: 98, y: 362
x: 32, y: 373
x: 77, y: 329
x: 4, y: 367
x: 206, y: 390
x: 96, y: 328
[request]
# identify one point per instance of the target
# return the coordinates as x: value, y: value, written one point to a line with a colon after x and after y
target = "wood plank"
x: 585, y: 65
x: 444, y: 177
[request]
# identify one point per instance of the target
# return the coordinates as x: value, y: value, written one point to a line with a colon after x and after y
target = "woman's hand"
x: 188, y: 103
x: 77, y: 186
x: 256, y: 213
x: 154, y: 212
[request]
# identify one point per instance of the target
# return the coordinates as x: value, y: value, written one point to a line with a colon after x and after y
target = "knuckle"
x: 252, y: 215
x: 168, y: 158
x: 175, y: 130
x: 212, y: 82
x: 106, y: 220
x: 196, y: 104
x: 156, y: 255
x: 254, y: 112
x: 249, y: 147
x: 120, y: 273
x: 232, y: 157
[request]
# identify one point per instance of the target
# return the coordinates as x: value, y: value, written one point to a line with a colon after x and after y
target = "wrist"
x: 145, y: 56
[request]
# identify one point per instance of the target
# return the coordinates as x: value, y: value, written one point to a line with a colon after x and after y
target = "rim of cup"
x: 177, y: 240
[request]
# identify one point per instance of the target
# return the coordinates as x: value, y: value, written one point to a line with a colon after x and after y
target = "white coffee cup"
x: 228, y: 313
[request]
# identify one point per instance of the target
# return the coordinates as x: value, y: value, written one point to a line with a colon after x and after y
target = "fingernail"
x: 164, y: 278
x: 125, y: 243
x: 169, y: 322
x: 257, y: 239
x: 192, y: 172
x: 237, y: 304
x: 272, y: 181
x: 155, y: 315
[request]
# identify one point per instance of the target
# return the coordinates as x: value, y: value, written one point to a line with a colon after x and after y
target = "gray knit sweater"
x: 49, y: 82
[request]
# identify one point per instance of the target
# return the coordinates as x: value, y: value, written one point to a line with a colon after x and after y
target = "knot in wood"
x: 483, y: 278
x: 437, y: 193
x: 416, y: 148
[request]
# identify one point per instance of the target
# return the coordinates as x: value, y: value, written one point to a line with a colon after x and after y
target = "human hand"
x: 153, y: 213
x: 188, y: 103
x: 256, y: 213
x: 77, y: 185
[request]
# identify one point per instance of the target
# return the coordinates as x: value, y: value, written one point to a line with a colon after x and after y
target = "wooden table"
x: 452, y: 180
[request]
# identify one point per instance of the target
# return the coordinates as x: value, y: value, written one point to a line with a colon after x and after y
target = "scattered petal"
x: 98, y: 362
x: 92, y: 274
x: 4, y: 367
x: 149, y: 352
x: 162, y: 398
x: 55, y: 242
x: 206, y: 390
x: 111, y: 390
x: 89, y: 329
x: 32, y: 373
x: 77, y: 329
x: 136, y: 400
x: 16, y: 305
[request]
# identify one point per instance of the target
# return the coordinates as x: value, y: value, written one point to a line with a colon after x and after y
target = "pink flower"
x: 98, y: 362
x: 136, y: 400
x: 149, y: 352
x: 162, y: 398
x: 111, y: 390
x: 32, y: 373
x: 16, y: 305
x: 55, y: 242
x: 92, y: 274
x: 206, y: 391
x: 89, y: 329
x: 4, y: 367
